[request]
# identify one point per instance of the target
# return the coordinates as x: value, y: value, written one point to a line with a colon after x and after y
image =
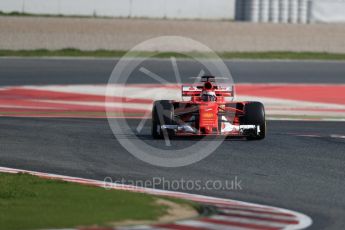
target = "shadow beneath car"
x: 192, y: 138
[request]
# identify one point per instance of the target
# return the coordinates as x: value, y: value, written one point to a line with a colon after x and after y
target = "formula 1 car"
x: 210, y: 110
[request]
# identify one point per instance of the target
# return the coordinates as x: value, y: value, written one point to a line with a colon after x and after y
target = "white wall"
x: 328, y: 11
x: 192, y: 9
x: 11, y: 6
x: 283, y: 11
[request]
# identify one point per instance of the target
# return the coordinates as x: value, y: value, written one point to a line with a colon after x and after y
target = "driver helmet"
x: 208, y: 96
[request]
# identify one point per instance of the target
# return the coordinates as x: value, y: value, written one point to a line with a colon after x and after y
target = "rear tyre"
x: 162, y: 114
x: 254, y: 114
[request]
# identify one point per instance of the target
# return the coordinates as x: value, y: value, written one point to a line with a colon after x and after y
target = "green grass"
x: 94, y: 16
x: 283, y: 55
x: 29, y: 202
x: 20, y: 14
x: 61, y: 53
x: 70, y: 52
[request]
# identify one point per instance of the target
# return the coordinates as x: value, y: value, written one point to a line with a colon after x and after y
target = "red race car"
x: 210, y: 110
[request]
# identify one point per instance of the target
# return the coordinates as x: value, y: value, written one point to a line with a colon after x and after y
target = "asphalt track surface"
x: 299, y: 166
x: 17, y: 71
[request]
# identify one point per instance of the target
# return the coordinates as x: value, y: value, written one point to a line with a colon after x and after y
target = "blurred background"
x: 215, y: 23
x: 57, y: 57
x: 283, y: 11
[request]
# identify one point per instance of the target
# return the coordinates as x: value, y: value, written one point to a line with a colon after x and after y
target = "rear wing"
x: 190, y: 90
x: 195, y: 90
x: 227, y: 91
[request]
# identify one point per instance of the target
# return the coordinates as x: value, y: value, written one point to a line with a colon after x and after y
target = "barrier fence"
x: 276, y: 11
x: 290, y: 11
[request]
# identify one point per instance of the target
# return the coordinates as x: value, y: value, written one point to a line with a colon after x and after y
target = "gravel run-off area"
x: 122, y: 34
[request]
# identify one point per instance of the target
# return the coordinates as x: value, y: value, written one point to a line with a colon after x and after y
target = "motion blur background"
x: 274, y: 25
x: 53, y: 112
x: 283, y: 11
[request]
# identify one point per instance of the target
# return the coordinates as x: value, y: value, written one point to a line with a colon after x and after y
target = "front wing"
x: 229, y: 130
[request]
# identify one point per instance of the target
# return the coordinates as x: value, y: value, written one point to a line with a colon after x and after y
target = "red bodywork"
x: 208, y: 122
x: 210, y: 117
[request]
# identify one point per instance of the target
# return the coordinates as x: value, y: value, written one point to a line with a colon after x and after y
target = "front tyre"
x: 162, y: 114
x: 155, y: 126
x: 254, y: 114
